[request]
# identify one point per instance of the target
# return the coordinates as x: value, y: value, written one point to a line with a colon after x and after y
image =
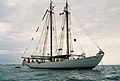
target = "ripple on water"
x: 9, y: 73
x: 113, y: 77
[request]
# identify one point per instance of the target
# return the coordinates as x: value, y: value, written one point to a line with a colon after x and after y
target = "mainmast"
x: 51, y: 30
x: 67, y: 28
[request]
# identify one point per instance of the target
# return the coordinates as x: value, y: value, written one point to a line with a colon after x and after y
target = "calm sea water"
x: 108, y: 73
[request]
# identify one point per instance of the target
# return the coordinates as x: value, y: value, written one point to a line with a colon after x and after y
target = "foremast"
x: 51, y: 8
x: 67, y: 27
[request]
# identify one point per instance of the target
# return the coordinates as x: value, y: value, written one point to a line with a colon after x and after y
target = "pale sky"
x: 20, y: 18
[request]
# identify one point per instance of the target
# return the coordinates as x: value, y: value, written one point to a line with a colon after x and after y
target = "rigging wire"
x: 85, y: 30
x: 40, y: 40
x: 46, y: 26
x: 34, y: 34
x: 103, y: 67
x: 79, y: 44
x: 25, y: 52
x: 44, y: 36
x: 26, y: 49
x: 71, y: 37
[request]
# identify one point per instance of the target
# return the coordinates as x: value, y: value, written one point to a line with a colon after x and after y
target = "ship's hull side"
x: 83, y: 63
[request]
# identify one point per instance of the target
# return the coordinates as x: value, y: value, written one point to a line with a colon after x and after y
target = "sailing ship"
x: 56, y: 58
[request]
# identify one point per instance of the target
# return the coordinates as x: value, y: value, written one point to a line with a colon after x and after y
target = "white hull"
x: 83, y: 63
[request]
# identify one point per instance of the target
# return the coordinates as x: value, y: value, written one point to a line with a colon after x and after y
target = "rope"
x: 103, y: 67
x: 85, y: 30
x: 79, y: 44
x: 42, y: 34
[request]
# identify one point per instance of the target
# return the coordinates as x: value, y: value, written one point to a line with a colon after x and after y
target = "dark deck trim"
x: 65, y: 68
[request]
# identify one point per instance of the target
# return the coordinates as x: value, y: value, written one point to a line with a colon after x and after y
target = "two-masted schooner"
x: 56, y: 58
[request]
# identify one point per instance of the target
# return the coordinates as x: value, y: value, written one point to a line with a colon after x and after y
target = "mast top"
x: 66, y: 1
x: 51, y: 1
